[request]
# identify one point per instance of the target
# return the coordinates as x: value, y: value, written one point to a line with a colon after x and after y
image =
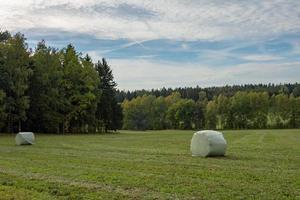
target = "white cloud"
x: 144, y: 74
x: 262, y: 58
x: 189, y: 20
x: 155, y: 19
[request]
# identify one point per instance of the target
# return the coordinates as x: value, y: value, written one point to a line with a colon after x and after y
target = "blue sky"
x: 171, y: 43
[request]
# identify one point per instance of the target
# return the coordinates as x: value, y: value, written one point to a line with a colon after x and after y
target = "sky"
x: 171, y: 43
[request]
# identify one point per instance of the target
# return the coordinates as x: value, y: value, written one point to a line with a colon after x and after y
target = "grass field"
x: 262, y: 164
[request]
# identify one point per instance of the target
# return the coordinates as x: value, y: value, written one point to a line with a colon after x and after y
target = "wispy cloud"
x: 171, y: 43
x: 130, y: 44
x: 262, y: 58
x: 155, y: 19
x: 140, y: 73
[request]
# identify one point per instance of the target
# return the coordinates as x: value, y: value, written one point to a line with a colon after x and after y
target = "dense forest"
x: 211, y: 92
x: 62, y: 91
x: 243, y: 110
x: 54, y: 91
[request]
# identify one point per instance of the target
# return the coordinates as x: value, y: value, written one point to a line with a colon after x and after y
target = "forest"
x: 229, y: 107
x: 53, y: 90
x: 243, y: 110
x: 211, y: 92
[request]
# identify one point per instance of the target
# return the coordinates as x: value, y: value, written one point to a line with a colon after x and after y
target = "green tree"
x: 223, y: 106
x: 200, y: 110
x: 79, y: 85
x: 158, y: 114
x: 137, y: 113
x: 107, y: 108
x: 170, y: 100
x: 259, y: 104
x: 2, y: 109
x: 296, y: 91
x: 14, y: 72
x: 181, y: 114
x: 90, y: 95
x: 45, y: 93
x: 282, y: 110
x: 128, y: 122
x: 4, y: 36
x: 241, y: 109
x: 117, y: 117
x: 295, y: 112
x: 54, y: 91
x: 211, y: 115
x: 173, y: 98
x: 185, y: 114
x: 146, y: 112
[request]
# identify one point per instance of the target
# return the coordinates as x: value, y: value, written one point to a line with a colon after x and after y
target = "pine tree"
x: 107, y: 108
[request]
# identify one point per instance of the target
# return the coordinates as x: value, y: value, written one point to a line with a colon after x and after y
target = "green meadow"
x: 259, y: 164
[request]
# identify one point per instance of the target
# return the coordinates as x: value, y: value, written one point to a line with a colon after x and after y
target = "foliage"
x: 2, y: 109
x: 244, y: 110
x: 212, y: 92
x: 149, y: 112
x: 137, y: 113
x: 52, y: 90
x: 45, y: 91
x: 15, y: 73
x: 108, y: 110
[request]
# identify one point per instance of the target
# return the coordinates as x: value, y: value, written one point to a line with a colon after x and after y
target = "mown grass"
x: 259, y: 164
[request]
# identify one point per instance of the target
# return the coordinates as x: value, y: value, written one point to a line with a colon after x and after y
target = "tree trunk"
x: 19, y: 126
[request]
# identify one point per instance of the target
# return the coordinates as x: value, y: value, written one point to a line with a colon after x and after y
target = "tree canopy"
x: 244, y: 110
x: 51, y: 90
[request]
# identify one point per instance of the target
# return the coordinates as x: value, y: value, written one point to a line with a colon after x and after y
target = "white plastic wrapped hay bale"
x: 24, y: 138
x: 208, y: 143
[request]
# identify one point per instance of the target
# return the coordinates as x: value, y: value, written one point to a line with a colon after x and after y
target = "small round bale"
x: 24, y: 138
x: 208, y: 143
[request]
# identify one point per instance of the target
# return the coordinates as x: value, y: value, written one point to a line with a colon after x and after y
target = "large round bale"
x: 208, y: 143
x: 24, y: 138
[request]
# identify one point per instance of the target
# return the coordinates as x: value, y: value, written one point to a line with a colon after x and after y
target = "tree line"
x: 62, y: 91
x: 54, y: 90
x: 243, y: 110
x: 211, y: 92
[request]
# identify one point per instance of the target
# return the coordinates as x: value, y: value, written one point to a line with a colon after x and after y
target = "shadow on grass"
x: 226, y: 157
x: 232, y: 158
